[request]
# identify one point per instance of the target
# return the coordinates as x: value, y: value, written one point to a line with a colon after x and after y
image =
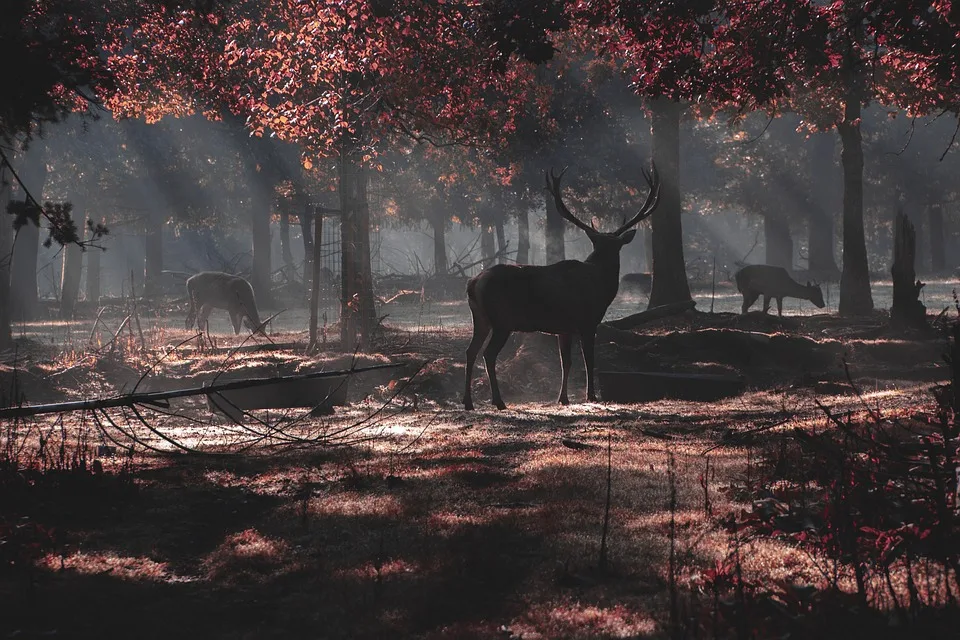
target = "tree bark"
x: 554, y: 226
x: 317, y: 243
x: 357, y: 313
x: 260, y: 227
x: 440, y: 267
x: 70, y: 270
x: 938, y: 254
x: 487, y: 250
x: 647, y: 232
x: 6, y: 246
x: 92, y: 293
x: 855, y: 296
x: 153, y: 260
x: 820, y: 259
x: 501, y: 240
x: 906, y: 310
x: 306, y: 231
x: 779, y: 243
x: 23, y: 270
x: 286, y: 254
x: 669, y: 269
x: 523, y: 240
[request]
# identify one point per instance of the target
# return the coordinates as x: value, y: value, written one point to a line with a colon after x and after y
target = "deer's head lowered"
x: 567, y: 298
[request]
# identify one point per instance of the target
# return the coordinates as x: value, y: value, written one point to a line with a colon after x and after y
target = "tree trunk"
x: 855, y: 295
x: 554, y: 226
x: 6, y: 245
x: 779, y: 243
x: 286, y: 254
x: 820, y: 259
x: 669, y: 269
x: 153, y: 261
x: 70, y: 270
x: 23, y: 271
x: 906, y: 310
x: 501, y: 240
x: 938, y: 254
x: 523, y: 241
x: 317, y: 243
x: 306, y: 231
x: 92, y: 293
x: 647, y: 231
x: 260, y: 226
x: 440, y: 267
x: 487, y: 250
x: 357, y: 313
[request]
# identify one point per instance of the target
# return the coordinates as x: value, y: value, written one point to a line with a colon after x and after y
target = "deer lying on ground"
x: 757, y: 280
x: 567, y: 298
x: 211, y: 290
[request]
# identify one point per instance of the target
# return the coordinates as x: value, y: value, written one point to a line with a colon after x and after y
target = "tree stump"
x: 906, y: 311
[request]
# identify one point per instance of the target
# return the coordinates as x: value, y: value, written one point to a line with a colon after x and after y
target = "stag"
x: 567, y: 299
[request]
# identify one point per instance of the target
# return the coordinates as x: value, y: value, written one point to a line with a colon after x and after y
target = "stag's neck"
x: 609, y: 266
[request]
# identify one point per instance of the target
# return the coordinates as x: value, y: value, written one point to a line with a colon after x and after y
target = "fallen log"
x: 161, y: 398
x: 655, y: 313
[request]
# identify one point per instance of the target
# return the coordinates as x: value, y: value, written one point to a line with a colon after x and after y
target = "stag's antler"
x: 653, y: 199
x: 553, y: 186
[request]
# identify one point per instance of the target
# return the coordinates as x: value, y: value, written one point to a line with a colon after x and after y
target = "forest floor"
x: 402, y: 515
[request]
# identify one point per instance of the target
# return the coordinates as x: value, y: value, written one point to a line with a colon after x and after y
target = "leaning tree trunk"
x: 554, y: 226
x: 439, y: 225
x: 523, y: 239
x: 855, y: 296
x: 820, y: 259
x: 938, y: 255
x: 70, y: 270
x: 23, y: 272
x: 6, y: 245
x: 906, y: 310
x: 153, y: 260
x: 357, y: 313
x: 779, y: 243
x: 669, y: 269
x: 260, y: 226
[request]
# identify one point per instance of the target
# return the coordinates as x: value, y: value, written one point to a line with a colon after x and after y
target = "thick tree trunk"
x: 523, y: 240
x: 938, y: 254
x: 501, y: 240
x: 906, y: 310
x: 70, y: 270
x: 357, y: 313
x: 6, y: 246
x: 286, y: 254
x: 669, y: 269
x: 820, y: 259
x: 440, y: 267
x: 260, y: 226
x: 306, y: 231
x: 855, y: 295
x: 554, y: 226
x: 779, y: 243
x: 316, y: 243
x: 153, y: 260
x: 487, y: 249
x: 23, y: 271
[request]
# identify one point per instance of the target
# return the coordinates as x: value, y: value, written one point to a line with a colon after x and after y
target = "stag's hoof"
x: 468, y: 405
x: 563, y: 401
x: 500, y: 405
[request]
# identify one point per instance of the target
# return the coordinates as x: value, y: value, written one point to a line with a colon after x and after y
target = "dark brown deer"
x: 567, y: 298
x: 757, y: 280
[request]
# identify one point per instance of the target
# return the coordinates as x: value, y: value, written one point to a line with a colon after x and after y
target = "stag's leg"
x: 587, y: 340
x: 749, y: 297
x: 191, y: 315
x: 497, y: 341
x: 236, y: 318
x: 564, y: 340
x: 481, y: 329
x: 780, y: 307
x: 766, y: 304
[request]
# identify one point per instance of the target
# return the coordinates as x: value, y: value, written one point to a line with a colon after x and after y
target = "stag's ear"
x: 627, y: 236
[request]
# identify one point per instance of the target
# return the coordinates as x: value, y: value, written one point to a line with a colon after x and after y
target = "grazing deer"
x: 757, y: 280
x: 211, y: 290
x: 567, y: 298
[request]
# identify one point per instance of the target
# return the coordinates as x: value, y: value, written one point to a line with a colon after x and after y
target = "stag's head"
x: 608, y: 243
x: 816, y: 294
